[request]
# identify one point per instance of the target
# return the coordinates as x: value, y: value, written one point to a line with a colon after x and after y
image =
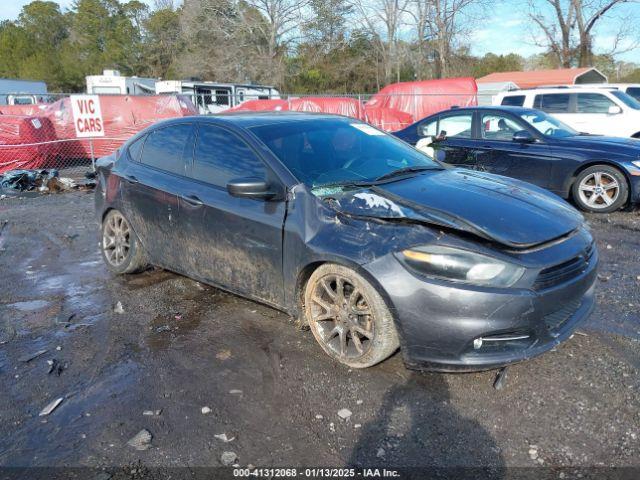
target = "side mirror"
x: 523, y: 136
x: 614, y: 110
x: 251, y: 187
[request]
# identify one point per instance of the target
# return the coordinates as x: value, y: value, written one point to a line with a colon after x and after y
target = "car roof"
x: 508, y: 108
x: 561, y: 89
x: 254, y: 119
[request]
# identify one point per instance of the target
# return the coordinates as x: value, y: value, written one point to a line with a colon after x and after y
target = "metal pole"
x: 93, y: 157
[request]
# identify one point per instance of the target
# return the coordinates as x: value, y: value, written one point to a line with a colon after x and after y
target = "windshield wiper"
x: 404, y: 171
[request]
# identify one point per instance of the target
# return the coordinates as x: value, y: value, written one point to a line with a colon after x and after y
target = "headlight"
x: 636, y: 163
x: 462, y: 266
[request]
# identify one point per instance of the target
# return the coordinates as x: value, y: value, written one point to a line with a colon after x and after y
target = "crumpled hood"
x: 507, y: 211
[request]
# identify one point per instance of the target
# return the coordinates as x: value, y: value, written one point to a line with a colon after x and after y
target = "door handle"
x: 131, y: 179
x: 192, y: 200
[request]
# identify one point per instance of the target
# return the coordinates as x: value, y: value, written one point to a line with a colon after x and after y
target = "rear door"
x: 233, y: 242
x: 158, y: 161
x: 455, y: 139
x: 498, y: 153
x: 560, y: 105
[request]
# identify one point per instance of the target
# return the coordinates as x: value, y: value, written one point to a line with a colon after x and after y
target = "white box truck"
x: 21, y: 92
x: 112, y: 83
x: 212, y: 97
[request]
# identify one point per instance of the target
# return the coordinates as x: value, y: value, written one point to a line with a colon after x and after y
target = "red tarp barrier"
x: 123, y: 116
x: 260, y: 106
x: 349, y: 107
x: 388, y: 119
x: 22, y: 143
x: 27, y: 110
x: 423, y: 98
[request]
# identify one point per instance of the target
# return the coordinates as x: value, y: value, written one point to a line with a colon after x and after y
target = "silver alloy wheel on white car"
x: 599, y: 190
x: 116, y: 237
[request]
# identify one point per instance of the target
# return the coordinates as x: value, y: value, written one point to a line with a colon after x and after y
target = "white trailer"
x: 21, y: 92
x: 212, y: 97
x: 112, y: 83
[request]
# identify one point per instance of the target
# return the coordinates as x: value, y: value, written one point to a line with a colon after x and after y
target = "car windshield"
x: 324, y: 152
x: 627, y: 99
x: 548, y: 125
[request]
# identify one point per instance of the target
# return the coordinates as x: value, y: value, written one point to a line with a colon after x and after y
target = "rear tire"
x: 120, y: 246
x: 348, y: 317
x: 600, y: 189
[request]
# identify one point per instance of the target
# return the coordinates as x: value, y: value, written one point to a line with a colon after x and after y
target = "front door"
x: 497, y: 153
x: 232, y: 242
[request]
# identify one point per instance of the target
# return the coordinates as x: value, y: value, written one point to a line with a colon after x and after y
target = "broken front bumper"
x: 452, y: 327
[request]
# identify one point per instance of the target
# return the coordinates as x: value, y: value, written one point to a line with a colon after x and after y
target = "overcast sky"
x: 506, y: 28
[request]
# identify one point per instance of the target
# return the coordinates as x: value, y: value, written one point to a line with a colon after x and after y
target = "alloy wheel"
x: 116, y: 239
x: 599, y: 190
x: 343, y: 317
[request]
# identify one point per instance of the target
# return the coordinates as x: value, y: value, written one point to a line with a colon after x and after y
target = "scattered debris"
x: 39, y: 180
x: 142, y: 440
x: 223, y: 355
x: 51, y: 407
x: 206, y: 410
x: 357, y: 425
x: 55, y: 366
x: 582, y: 334
x: 609, y: 247
x: 604, y: 278
x: 235, y: 392
x: 152, y: 413
x: 344, y: 414
x: 319, y: 417
x: 533, y: 452
x: 359, y: 402
x: 332, y: 427
x: 163, y: 328
x: 33, y: 356
x: 118, y: 308
x: 498, y: 384
x: 178, y: 316
x: 224, y: 438
x: 228, y: 458
x: 380, y: 453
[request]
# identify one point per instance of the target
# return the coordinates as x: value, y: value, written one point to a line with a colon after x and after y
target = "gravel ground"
x: 177, y: 346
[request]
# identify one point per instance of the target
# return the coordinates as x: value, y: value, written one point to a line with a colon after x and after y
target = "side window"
x: 456, y: 126
x: 135, y: 149
x: 428, y: 129
x: 634, y: 92
x: 168, y: 148
x: 594, y: 103
x: 221, y: 156
x: 552, y: 102
x: 513, y: 100
x: 499, y: 127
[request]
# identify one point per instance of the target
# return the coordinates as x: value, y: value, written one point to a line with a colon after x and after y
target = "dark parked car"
x: 600, y: 174
x: 372, y: 243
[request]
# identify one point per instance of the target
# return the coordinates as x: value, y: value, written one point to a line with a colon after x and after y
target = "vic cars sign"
x: 87, y: 116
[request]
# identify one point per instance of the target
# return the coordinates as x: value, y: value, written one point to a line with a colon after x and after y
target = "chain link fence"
x: 38, y: 132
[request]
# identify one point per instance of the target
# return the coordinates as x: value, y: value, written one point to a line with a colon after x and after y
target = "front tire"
x: 120, y: 246
x: 600, y: 189
x: 348, y: 317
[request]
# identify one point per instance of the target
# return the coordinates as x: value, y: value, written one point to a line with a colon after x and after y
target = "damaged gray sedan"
x: 371, y: 243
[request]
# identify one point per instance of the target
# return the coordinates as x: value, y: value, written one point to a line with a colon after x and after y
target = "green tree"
x: 498, y: 63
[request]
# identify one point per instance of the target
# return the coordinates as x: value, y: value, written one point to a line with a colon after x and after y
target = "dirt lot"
x: 179, y: 346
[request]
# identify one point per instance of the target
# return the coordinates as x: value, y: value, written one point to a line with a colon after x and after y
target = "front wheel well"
x: 584, y: 166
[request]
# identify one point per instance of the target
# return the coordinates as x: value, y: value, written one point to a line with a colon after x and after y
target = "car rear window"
x: 135, y: 149
x: 513, y: 101
x: 634, y: 92
x: 166, y: 148
x: 552, y: 102
x: 221, y: 156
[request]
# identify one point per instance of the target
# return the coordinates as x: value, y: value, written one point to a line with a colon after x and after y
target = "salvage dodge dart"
x: 373, y: 244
